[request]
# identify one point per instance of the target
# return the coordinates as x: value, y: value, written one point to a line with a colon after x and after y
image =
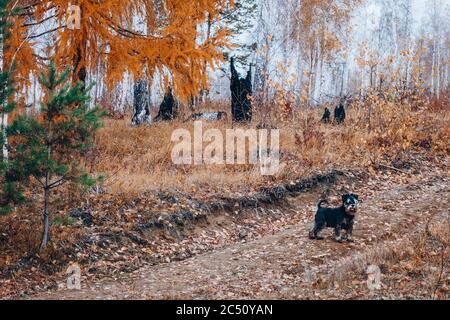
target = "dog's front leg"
x: 338, y: 233
x: 350, y: 232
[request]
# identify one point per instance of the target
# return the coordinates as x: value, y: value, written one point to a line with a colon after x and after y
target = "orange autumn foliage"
x: 109, y: 39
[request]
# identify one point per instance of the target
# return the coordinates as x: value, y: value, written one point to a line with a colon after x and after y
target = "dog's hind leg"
x: 338, y: 233
x: 315, y: 232
x: 312, y: 236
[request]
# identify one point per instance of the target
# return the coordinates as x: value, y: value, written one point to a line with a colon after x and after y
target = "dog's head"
x: 350, y: 203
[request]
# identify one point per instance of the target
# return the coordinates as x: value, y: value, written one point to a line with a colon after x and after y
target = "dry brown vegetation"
x: 135, y: 160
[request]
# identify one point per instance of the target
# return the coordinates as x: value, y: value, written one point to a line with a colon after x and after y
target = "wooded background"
x: 306, y: 52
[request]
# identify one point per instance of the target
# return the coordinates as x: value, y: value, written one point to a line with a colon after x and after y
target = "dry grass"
x: 136, y: 160
x: 422, y: 256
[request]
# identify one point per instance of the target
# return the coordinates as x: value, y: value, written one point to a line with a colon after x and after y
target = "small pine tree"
x: 46, y: 150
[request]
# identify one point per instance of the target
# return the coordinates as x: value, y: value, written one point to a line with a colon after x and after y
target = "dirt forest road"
x: 287, y: 265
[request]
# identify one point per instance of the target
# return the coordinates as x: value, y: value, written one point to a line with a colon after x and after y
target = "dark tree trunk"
x: 80, y: 70
x: 326, y: 118
x: 168, y: 110
x: 46, y: 224
x: 241, y: 91
x: 141, y: 104
x: 339, y: 114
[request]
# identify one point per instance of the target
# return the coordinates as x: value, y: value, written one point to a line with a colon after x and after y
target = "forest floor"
x: 403, y: 226
x: 154, y: 230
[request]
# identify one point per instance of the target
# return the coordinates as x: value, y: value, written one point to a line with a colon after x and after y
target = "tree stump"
x: 141, y: 104
x: 326, y: 118
x: 339, y: 114
x: 241, y: 91
x: 168, y: 109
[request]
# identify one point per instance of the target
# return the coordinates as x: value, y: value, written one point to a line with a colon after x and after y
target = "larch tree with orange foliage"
x: 145, y: 38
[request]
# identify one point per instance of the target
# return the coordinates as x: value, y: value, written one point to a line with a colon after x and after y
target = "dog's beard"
x: 351, y: 210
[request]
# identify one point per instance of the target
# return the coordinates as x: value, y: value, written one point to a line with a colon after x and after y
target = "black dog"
x: 342, y: 218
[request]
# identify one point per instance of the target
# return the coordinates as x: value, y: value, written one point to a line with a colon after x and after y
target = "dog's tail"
x: 319, y: 206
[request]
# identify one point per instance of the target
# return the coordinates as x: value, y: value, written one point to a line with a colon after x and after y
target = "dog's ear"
x: 356, y: 196
x: 344, y: 197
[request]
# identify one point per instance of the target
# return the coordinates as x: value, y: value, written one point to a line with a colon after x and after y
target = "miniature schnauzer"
x: 341, y: 218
